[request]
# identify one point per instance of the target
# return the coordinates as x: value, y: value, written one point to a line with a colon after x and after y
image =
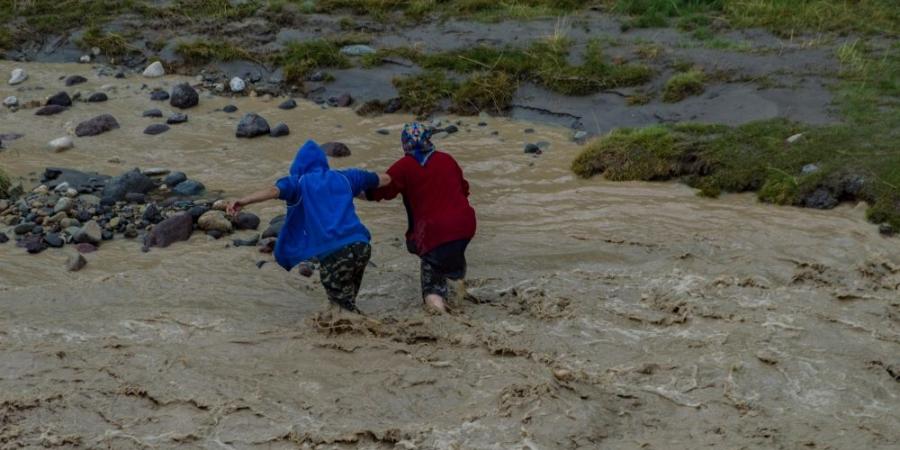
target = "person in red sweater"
x: 440, y: 220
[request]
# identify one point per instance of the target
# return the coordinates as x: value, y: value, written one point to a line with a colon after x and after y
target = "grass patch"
x: 683, y: 85
x: 483, y: 10
x: 855, y: 160
x: 301, y: 58
x: 487, y: 91
x: 7, y: 40
x: 112, y: 45
x: 198, y: 53
x: 4, y: 184
x: 421, y: 94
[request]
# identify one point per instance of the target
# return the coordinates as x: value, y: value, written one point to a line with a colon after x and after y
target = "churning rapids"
x: 611, y: 315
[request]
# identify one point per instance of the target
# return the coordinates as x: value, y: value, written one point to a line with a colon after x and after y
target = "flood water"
x: 612, y: 315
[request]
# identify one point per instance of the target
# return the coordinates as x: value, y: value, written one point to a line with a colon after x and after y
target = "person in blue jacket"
x: 321, y: 221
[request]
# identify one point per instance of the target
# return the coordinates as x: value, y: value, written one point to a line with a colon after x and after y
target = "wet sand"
x: 611, y: 315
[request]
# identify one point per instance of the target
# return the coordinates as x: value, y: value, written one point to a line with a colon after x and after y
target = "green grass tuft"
x: 4, y: 184
x: 301, y: 58
x: 683, y: 85
x: 198, y: 53
x: 422, y: 94
x: 488, y: 91
x: 112, y: 45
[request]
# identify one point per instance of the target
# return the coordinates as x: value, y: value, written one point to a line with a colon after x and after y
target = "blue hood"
x: 320, y: 216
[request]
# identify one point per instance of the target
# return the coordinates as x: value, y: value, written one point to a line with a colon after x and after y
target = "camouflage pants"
x: 342, y: 273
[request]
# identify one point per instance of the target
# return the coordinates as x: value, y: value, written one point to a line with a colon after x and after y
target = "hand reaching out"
x: 233, y: 207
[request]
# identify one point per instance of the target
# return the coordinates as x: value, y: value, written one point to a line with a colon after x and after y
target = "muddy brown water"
x: 613, y: 315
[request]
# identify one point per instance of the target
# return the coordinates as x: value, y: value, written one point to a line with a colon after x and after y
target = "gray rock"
x: 135, y: 197
x: 580, y: 136
x: 64, y: 204
x: 152, y: 113
x: 75, y: 79
x: 532, y: 149
x: 174, y: 229
x: 288, y: 104
x: 60, y: 98
x: 177, y: 118
x: 75, y: 262
x: 214, y: 220
x: 4, y: 238
x: 809, y: 168
x: 23, y: 228
x: 50, y: 110
x: 886, y: 229
x: 189, y: 188
x: 184, y: 96
x: 97, y: 97
x: 336, y: 149
x: 90, y: 233
x: 159, y: 96
x: 154, y: 70
x: 171, y: 180
x: 155, y: 171
x: 237, y: 84
x: 156, y: 128
x: 280, y: 130
x: 53, y: 240
x: 246, y: 221
x: 34, y: 244
x: 97, y: 125
x: 252, y: 125
x: 821, y: 198
x: 383, y: 131
x: 61, y: 144
x: 246, y: 242
x: 17, y: 76
x: 131, y: 181
x: 230, y: 108
x: 11, y: 101
x: 341, y: 101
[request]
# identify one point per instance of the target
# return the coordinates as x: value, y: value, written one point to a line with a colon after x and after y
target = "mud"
x: 757, y: 75
x: 602, y: 315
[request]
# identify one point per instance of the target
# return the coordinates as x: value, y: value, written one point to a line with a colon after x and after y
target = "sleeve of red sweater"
x: 395, y: 188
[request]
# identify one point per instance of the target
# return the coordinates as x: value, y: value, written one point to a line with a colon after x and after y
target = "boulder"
x: 174, y: 229
x: 96, y: 125
x: 252, y: 125
x: 156, y: 128
x: 128, y: 182
x: 75, y: 79
x: 189, y: 188
x: 17, y: 76
x: 336, y: 149
x: 90, y: 233
x: 154, y: 70
x: 280, y: 130
x: 61, y: 144
x: 214, y: 220
x: 177, y: 118
x: 97, y: 97
x: 184, y: 96
x: 246, y: 221
x: 50, y: 110
x: 60, y: 98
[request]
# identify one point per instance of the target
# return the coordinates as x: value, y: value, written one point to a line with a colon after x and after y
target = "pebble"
x: 97, y: 97
x: 159, y: 95
x: 336, y: 149
x: 528, y: 130
x: 214, y: 220
x: 383, y: 131
x: 64, y: 204
x: 177, y: 118
x: 189, y: 188
x: 564, y: 375
x: 580, y: 136
x: 53, y: 240
x: 90, y: 233
x: 97, y: 125
x: 280, y: 130
x: 4, y: 238
x: 152, y: 113
x: 23, y: 228
x: 75, y: 262
x: 809, y: 168
x: 61, y: 144
x: 794, y: 138
x: 288, y: 104
x: 230, y: 108
x: 246, y: 221
x: 17, y: 76
x: 11, y: 101
x: 154, y: 70
x: 84, y: 59
x: 237, y: 84
x: 34, y: 244
x: 75, y: 79
x: 85, y: 247
x: 171, y: 180
x: 341, y: 101
x: 532, y: 149
x: 246, y: 242
x: 886, y: 229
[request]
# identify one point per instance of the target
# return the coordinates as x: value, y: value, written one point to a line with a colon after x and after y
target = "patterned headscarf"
x: 416, y: 142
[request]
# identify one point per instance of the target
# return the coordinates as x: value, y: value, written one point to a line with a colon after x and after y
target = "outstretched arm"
x: 234, y: 206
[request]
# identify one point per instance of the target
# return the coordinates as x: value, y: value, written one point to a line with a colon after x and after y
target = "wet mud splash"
x: 601, y: 315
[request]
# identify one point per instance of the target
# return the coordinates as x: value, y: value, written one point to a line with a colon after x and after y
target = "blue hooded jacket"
x: 320, y: 216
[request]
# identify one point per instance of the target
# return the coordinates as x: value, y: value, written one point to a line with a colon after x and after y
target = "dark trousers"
x: 342, y: 273
x: 444, y: 262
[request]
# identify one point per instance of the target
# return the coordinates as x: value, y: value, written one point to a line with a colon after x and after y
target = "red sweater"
x: 436, y: 200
